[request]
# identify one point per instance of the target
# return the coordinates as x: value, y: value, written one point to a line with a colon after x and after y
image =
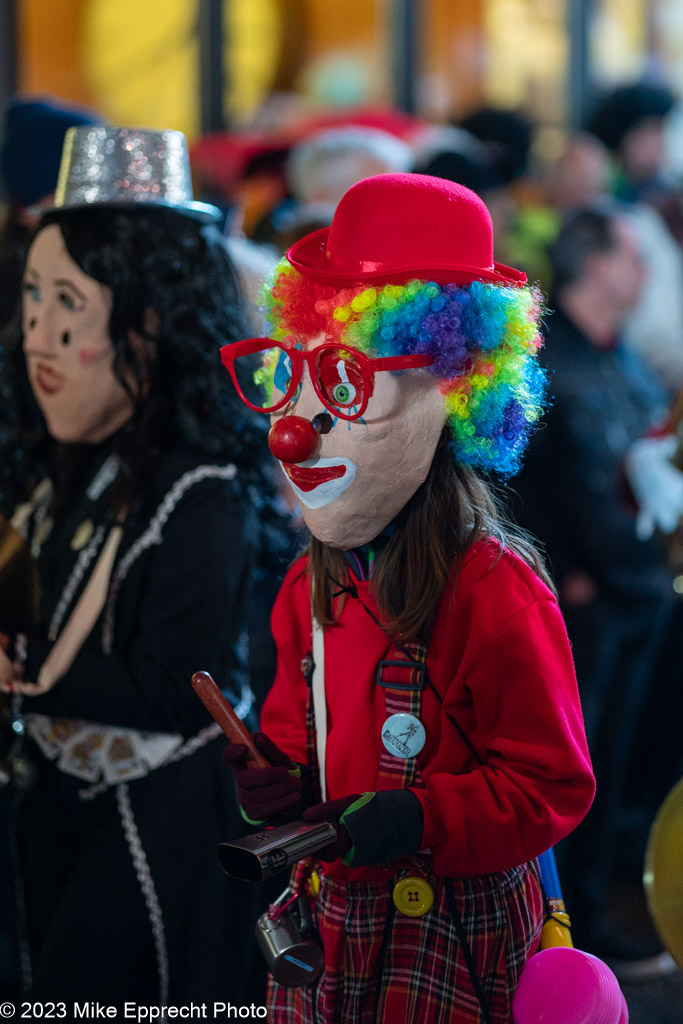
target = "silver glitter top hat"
x: 127, y: 167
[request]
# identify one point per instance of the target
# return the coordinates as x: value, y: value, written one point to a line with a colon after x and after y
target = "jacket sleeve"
x: 536, y: 783
x: 184, y: 615
x: 283, y: 717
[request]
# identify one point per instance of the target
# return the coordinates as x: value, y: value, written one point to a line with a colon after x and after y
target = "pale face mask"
x: 364, y: 471
x: 69, y: 354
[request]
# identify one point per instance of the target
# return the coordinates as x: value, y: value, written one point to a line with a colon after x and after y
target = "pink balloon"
x: 562, y: 985
x: 624, y: 1011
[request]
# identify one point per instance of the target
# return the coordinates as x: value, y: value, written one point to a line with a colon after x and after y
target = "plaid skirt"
x: 383, y: 967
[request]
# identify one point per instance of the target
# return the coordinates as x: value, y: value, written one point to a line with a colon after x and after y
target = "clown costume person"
x: 425, y: 698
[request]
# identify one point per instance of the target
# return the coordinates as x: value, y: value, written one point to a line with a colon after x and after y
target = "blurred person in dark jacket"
x: 614, y: 585
x: 630, y: 120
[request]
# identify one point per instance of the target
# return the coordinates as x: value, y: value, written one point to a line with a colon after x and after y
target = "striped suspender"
x: 402, y: 677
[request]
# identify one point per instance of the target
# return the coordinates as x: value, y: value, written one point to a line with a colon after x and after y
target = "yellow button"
x: 314, y: 883
x: 413, y: 896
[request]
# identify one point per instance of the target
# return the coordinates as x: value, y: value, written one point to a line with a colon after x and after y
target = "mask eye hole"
x: 263, y: 376
x: 282, y: 377
x: 323, y: 423
x: 283, y: 372
x: 31, y: 291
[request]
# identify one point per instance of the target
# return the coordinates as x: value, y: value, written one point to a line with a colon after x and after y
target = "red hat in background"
x: 404, y: 126
x: 394, y: 227
x: 222, y: 158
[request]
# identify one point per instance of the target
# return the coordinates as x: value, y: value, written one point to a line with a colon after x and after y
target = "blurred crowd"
x: 599, y: 227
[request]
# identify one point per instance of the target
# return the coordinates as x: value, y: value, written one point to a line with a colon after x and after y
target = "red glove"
x: 263, y: 792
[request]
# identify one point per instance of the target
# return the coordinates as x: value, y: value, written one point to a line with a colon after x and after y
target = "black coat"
x: 124, y: 895
x: 180, y: 607
x: 575, y: 500
x: 574, y: 497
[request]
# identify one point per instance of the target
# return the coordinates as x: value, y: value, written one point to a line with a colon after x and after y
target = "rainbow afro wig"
x: 484, y: 339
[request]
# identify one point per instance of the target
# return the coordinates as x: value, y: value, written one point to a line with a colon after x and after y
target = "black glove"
x: 372, y: 829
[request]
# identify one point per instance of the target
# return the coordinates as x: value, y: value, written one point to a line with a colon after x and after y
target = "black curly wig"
x: 173, y: 285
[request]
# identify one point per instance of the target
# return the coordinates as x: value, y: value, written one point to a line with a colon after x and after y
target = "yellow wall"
x: 136, y: 61
x: 454, y: 56
x: 333, y: 24
x: 103, y: 54
x: 49, y: 49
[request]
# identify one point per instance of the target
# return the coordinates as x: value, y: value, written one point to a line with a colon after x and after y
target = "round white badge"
x: 403, y: 735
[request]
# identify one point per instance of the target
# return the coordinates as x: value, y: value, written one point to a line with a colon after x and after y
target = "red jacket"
x: 500, y: 659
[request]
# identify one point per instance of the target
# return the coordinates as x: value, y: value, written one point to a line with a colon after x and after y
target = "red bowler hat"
x: 394, y: 227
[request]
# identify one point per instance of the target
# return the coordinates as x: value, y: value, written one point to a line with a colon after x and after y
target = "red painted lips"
x: 308, y: 478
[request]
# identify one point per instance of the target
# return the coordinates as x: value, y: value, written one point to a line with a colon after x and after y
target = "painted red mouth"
x: 307, y: 478
x: 47, y: 379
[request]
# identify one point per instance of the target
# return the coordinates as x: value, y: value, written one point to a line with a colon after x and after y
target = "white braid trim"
x: 149, y: 892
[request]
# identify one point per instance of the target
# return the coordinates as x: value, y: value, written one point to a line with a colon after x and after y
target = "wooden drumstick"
x: 221, y: 712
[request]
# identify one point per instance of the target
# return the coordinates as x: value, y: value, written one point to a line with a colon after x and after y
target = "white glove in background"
x: 656, y: 484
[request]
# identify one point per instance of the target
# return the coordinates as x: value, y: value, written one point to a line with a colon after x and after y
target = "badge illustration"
x: 403, y: 735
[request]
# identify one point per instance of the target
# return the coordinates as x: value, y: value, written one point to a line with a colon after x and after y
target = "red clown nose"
x: 292, y: 439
